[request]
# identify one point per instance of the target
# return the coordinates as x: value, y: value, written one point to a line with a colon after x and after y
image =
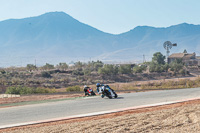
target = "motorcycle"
x: 89, y: 92
x: 110, y: 93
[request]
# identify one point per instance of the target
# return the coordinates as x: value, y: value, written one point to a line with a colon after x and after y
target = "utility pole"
x: 144, y: 58
x: 35, y: 62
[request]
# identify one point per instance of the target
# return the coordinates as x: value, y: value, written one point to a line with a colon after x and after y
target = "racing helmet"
x: 98, y: 84
x: 85, y: 86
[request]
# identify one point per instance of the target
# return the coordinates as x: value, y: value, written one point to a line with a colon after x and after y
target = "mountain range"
x: 57, y: 37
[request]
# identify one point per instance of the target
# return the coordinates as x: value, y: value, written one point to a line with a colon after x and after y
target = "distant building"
x: 188, y: 59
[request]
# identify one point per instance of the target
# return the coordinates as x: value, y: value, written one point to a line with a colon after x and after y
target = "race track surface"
x: 67, y: 108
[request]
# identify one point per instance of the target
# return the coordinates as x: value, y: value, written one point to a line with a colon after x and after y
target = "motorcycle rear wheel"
x: 115, y: 94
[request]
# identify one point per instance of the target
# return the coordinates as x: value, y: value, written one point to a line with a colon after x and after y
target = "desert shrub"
x: 77, y: 72
x: 182, y: 82
x: 108, y: 69
x: 19, y: 90
x: 22, y: 90
x: 2, y: 72
x: 190, y: 84
x: 62, y: 66
x: 182, y: 72
x: 46, y: 74
x: 139, y: 69
x: 31, y: 67
x: 73, y: 88
x: 87, y: 72
x: 15, y: 81
x: 176, y: 66
x: 124, y: 69
x: 197, y: 81
x: 154, y: 67
x: 169, y: 83
x: 12, y: 90
x: 143, y: 86
x: 157, y: 84
x: 95, y: 65
x: 48, y: 66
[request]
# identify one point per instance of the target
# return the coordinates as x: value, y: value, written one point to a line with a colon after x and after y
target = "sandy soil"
x: 181, y: 117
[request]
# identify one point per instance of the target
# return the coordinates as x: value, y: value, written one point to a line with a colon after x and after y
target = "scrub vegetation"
x: 49, y: 78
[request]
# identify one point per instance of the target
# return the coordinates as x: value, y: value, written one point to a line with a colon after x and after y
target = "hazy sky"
x: 112, y: 16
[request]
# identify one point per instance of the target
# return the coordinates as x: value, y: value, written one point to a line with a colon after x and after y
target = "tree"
x: 62, y: 66
x: 48, y: 66
x: 139, y: 69
x: 158, y: 58
x: 185, y: 51
x: 96, y: 65
x: 125, y: 69
x: 166, y: 67
x: 176, y: 66
x: 30, y: 67
x: 155, y: 67
x: 79, y: 65
x: 108, y: 69
x: 152, y: 66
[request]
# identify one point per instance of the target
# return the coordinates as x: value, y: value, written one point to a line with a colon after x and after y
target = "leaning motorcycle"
x: 90, y: 92
x: 110, y: 93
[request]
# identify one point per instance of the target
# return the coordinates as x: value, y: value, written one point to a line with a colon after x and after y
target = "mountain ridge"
x: 57, y: 34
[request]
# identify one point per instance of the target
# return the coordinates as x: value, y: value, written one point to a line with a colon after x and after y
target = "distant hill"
x: 57, y: 37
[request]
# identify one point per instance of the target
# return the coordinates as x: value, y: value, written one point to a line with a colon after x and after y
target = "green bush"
x: 137, y: 69
x: 22, y: 90
x: 46, y: 74
x: 48, y: 66
x: 108, y: 69
x: 87, y: 72
x: 73, y: 88
x: 2, y: 71
x: 182, y: 72
x: 125, y: 69
x: 77, y: 72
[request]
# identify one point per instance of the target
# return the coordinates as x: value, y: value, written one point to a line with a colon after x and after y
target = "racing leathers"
x: 85, y: 90
x: 102, y: 88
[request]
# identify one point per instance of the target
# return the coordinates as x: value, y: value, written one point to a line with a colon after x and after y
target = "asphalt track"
x: 13, y: 116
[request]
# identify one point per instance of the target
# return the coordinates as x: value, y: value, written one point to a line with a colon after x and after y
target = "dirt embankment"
x: 181, y: 117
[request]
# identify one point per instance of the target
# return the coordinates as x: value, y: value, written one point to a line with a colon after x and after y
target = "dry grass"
x: 158, y: 84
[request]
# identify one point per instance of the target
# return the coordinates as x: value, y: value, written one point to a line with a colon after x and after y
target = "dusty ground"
x: 181, y: 117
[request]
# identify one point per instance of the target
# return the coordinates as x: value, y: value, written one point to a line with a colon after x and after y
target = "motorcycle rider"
x: 102, y: 87
x: 85, y: 89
